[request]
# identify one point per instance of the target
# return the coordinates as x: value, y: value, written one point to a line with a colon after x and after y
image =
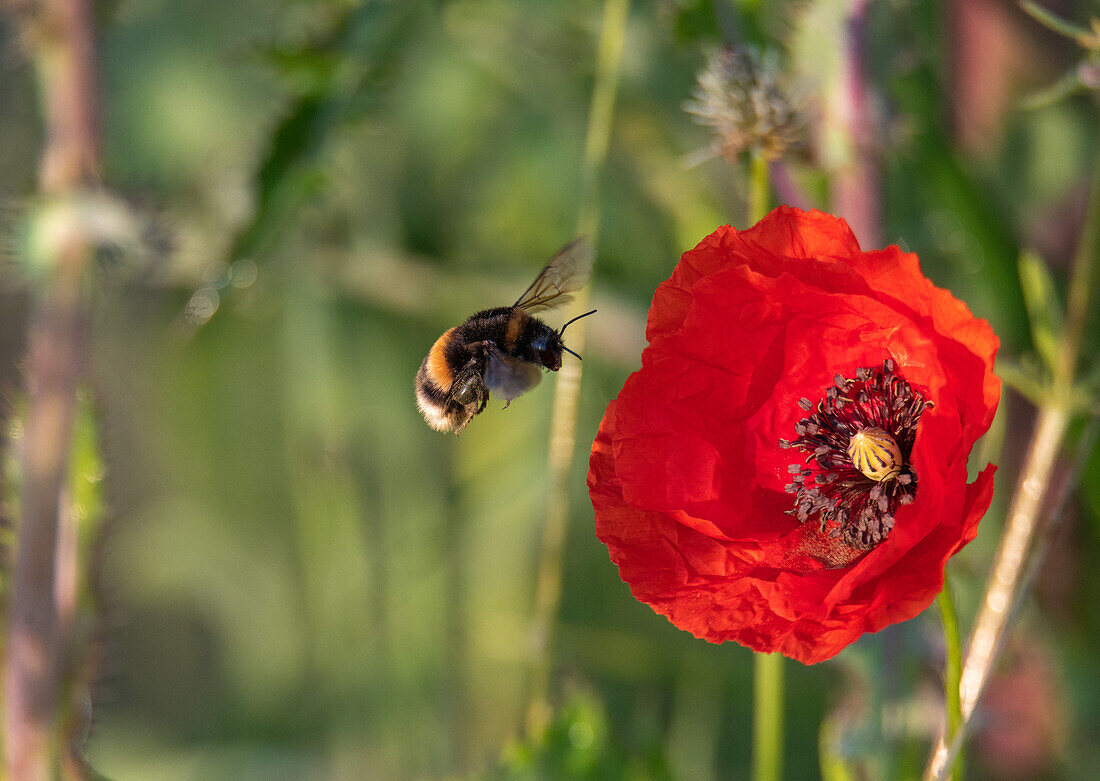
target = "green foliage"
x: 1044, y: 308
x: 578, y: 745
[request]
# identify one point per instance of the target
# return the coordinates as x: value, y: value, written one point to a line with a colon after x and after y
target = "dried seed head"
x: 742, y: 98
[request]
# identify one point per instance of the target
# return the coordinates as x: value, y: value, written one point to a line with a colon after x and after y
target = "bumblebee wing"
x: 566, y: 272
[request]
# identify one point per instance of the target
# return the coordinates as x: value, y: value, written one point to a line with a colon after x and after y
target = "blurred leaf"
x: 693, y: 20
x: 948, y: 187
x: 10, y: 487
x: 1090, y: 488
x: 1025, y: 377
x: 577, y: 745
x: 1044, y: 310
x: 305, y: 70
x: 339, y: 65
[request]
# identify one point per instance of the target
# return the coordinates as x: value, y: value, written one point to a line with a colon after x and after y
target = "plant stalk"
x: 1002, y: 590
x: 857, y: 189
x: 759, y: 188
x: 952, y: 668
x: 1034, y: 504
x: 563, y: 421
x: 767, y: 722
x: 60, y: 33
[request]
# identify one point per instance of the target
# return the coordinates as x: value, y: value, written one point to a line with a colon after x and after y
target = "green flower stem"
x: 563, y: 421
x: 1080, y: 35
x: 759, y: 189
x: 767, y: 722
x: 1034, y: 503
x: 952, y: 669
x: 1082, y: 287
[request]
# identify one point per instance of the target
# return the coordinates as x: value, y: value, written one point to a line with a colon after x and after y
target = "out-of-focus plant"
x: 1061, y: 391
x: 748, y: 103
x: 578, y: 744
x: 46, y: 645
x: 563, y: 423
x: 1085, y: 74
x: 743, y: 99
x: 313, y: 587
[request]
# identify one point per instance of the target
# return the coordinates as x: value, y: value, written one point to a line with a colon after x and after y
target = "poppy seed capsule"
x: 875, y: 454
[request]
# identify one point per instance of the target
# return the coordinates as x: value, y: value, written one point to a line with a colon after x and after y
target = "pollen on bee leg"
x: 858, y: 439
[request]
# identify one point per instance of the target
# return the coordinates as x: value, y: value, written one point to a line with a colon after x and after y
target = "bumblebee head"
x: 547, y: 346
x: 551, y: 356
x: 557, y: 346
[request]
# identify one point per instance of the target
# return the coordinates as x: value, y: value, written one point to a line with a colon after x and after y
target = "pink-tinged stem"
x: 61, y: 33
x: 857, y: 191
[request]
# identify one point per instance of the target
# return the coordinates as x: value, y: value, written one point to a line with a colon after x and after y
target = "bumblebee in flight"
x: 503, y: 349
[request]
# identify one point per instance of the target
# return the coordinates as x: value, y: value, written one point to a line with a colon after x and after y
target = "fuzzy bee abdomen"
x: 433, y: 385
x: 436, y: 364
x: 440, y: 411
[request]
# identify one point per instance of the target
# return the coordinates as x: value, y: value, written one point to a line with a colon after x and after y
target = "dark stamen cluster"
x: 852, y: 506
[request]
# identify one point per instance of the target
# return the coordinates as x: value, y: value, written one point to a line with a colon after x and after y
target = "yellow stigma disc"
x: 875, y: 454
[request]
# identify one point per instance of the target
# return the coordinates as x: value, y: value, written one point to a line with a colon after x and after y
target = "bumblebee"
x: 502, y: 350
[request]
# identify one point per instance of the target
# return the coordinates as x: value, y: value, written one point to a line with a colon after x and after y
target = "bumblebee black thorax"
x: 512, y: 330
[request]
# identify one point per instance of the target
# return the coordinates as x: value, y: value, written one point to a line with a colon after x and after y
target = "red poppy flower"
x: 788, y: 469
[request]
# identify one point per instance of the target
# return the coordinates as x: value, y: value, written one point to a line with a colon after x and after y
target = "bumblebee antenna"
x: 575, y: 319
x: 570, y: 351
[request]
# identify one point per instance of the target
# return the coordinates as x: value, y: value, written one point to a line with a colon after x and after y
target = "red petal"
x: 686, y: 476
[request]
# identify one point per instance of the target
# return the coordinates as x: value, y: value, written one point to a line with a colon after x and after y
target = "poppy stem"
x: 767, y: 723
x: 767, y: 701
x: 952, y: 667
x: 759, y: 188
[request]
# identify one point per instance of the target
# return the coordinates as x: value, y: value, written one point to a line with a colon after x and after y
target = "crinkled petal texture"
x: 687, y: 477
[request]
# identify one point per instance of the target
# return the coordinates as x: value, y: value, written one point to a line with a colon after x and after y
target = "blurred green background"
x: 296, y: 578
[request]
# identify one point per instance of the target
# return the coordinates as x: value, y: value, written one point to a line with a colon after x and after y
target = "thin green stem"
x: 563, y: 421
x: 1082, y: 284
x: 1081, y: 35
x: 767, y: 722
x: 767, y: 756
x: 952, y: 668
x: 759, y: 188
x: 1032, y: 508
x: 597, y: 138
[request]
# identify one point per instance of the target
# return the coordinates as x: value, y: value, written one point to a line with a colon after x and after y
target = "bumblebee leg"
x: 476, y: 366
x: 468, y: 391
